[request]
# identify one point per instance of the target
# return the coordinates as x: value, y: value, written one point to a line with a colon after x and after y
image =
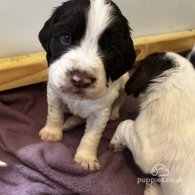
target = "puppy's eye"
x: 109, y: 51
x: 66, y: 39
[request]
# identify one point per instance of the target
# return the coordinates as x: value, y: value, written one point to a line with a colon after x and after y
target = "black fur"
x: 70, y: 17
x: 115, y: 44
x: 146, y: 70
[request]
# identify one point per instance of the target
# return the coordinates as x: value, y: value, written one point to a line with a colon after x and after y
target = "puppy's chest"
x: 82, y: 108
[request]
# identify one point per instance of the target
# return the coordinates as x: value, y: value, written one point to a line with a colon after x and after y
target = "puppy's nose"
x: 81, y: 79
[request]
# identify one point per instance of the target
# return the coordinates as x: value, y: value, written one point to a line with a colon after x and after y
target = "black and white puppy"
x: 164, y: 131
x: 89, y: 50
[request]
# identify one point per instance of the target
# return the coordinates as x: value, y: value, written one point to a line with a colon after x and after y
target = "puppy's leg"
x: 73, y: 122
x: 86, y: 154
x: 114, y: 115
x: 122, y: 137
x: 53, y: 130
x: 152, y: 189
x: 127, y: 135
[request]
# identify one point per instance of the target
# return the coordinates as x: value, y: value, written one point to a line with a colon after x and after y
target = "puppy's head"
x: 88, y: 43
x: 147, y: 70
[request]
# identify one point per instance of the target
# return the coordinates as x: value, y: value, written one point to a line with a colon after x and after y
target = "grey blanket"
x: 41, y: 168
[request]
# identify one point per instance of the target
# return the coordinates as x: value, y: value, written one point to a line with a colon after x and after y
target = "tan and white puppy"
x: 164, y: 131
x: 89, y: 50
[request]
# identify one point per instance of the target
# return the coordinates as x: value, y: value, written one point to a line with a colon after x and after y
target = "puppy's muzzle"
x: 81, y: 79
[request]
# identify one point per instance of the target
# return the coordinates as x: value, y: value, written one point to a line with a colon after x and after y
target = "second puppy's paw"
x: 115, y: 144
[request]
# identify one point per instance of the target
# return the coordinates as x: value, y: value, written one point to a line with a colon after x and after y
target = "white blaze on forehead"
x: 98, y: 19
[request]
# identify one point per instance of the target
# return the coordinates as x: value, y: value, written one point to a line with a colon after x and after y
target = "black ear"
x: 138, y: 81
x: 127, y: 61
x: 45, y: 36
x: 148, y: 69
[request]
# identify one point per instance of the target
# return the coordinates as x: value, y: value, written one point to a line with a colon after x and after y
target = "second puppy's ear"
x: 148, y: 69
x: 138, y: 81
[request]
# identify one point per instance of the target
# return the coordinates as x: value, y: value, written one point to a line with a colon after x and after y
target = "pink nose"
x: 81, y: 79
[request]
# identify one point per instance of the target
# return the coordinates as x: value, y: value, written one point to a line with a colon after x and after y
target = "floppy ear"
x: 127, y: 62
x: 137, y: 82
x: 45, y: 36
x: 147, y: 69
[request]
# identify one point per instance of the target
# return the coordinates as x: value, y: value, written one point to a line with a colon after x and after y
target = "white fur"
x: 164, y: 131
x: 99, y: 18
x: 95, y: 104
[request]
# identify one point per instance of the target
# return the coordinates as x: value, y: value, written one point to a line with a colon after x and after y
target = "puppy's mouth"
x: 78, y: 92
x: 71, y: 90
x: 82, y: 84
x: 85, y: 93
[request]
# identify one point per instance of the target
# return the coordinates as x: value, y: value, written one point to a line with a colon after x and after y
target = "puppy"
x: 89, y: 50
x: 164, y: 131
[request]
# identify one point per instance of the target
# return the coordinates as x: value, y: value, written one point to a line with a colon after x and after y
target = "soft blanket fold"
x: 40, y: 168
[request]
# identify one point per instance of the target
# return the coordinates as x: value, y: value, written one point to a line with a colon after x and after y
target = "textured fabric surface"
x: 37, y: 168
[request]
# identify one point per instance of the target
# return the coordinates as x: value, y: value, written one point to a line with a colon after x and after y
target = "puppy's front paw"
x: 51, y: 134
x: 87, y: 162
x: 116, y: 147
x: 121, y: 137
x: 115, y: 144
